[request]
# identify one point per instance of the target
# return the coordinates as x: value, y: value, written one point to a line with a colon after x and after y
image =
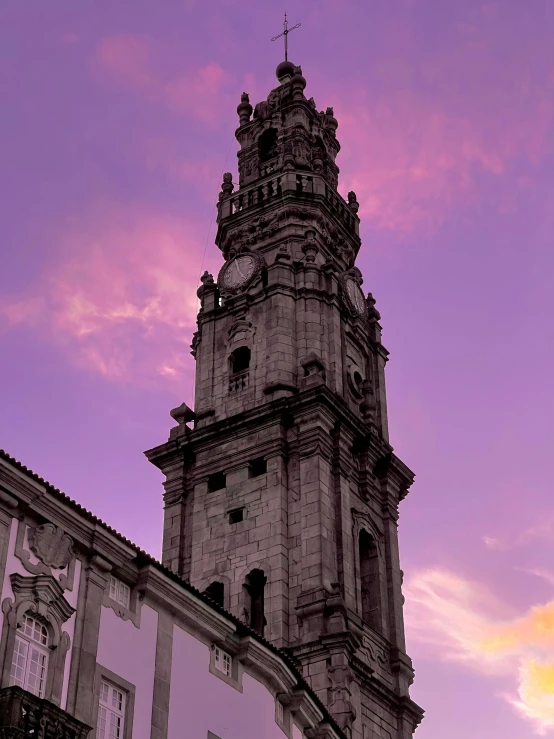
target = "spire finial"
x: 286, y: 34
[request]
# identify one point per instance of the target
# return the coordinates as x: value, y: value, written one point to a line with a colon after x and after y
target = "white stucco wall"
x: 201, y: 702
x: 131, y: 653
x: 13, y: 564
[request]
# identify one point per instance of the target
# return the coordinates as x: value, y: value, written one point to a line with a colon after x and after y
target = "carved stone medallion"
x: 51, y: 545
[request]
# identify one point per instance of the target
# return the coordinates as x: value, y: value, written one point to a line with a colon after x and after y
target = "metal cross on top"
x: 286, y: 34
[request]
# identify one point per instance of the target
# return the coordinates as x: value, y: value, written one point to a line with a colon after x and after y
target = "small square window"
x: 217, y: 481
x: 236, y: 516
x: 257, y: 467
x: 120, y: 592
x: 222, y: 661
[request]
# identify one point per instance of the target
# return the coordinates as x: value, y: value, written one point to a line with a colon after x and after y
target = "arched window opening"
x: 267, y: 145
x: 369, y: 581
x: 216, y: 591
x: 254, y: 586
x: 240, y: 359
x: 30, y: 656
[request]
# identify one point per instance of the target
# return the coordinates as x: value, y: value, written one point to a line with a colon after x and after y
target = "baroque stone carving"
x: 51, y: 545
x: 48, y: 546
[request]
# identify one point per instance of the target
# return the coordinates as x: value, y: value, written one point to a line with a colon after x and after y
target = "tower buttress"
x: 282, y: 499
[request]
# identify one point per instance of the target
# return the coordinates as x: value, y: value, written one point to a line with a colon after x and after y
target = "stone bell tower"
x: 282, y: 491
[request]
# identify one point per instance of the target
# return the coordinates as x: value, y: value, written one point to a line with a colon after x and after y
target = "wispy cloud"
x: 461, y: 621
x: 122, y: 298
x: 129, y: 61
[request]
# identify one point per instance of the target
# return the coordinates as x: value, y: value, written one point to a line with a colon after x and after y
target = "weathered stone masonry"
x: 283, y: 496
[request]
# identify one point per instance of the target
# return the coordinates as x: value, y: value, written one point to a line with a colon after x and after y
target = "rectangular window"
x: 120, y: 592
x: 236, y: 516
x: 28, y: 667
x: 279, y: 712
x: 257, y: 467
x: 111, y: 712
x: 222, y: 661
x: 217, y: 481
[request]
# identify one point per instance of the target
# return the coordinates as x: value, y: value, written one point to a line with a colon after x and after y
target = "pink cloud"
x: 126, y: 58
x: 198, y: 93
x: 411, y: 162
x: 426, y: 128
x: 122, y: 298
x: 129, y: 61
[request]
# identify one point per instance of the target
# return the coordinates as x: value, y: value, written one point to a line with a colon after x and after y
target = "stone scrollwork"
x: 52, y: 547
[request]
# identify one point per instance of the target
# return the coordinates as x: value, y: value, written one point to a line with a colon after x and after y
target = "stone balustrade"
x: 277, y: 186
x: 25, y: 716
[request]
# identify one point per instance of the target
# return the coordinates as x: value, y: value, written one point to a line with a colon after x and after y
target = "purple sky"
x: 117, y: 123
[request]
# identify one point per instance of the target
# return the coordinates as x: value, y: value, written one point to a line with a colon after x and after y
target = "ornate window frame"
x: 234, y: 678
x: 40, y: 596
x: 130, y: 613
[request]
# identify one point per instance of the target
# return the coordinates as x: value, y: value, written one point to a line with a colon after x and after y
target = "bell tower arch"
x: 281, y: 486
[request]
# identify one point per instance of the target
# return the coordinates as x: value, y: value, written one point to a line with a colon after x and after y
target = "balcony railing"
x: 24, y: 716
x: 238, y: 382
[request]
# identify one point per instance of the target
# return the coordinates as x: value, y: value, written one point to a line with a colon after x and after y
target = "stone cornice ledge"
x: 265, y: 664
x: 308, y: 715
x: 154, y: 586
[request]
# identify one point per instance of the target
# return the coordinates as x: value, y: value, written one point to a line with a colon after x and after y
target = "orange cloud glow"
x: 462, y: 622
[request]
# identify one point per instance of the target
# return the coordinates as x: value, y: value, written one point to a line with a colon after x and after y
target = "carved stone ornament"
x: 351, y: 291
x: 51, y: 545
x: 239, y: 272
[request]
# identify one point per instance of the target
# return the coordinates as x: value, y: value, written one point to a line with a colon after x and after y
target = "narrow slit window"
x: 369, y: 581
x: 255, y: 606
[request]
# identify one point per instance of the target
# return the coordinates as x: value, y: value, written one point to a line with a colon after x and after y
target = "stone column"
x: 162, y: 678
x: 94, y: 580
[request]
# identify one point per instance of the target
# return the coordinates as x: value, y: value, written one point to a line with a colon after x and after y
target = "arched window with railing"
x: 239, y: 366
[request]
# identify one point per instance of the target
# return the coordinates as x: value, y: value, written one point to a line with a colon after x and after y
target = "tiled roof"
x: 148, y: 558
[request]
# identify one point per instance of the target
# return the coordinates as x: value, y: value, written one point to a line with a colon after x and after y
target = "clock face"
x: 356, y: 297
x: 238, y: 271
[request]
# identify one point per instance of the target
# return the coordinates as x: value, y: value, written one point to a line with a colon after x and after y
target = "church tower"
x: 282, y: 491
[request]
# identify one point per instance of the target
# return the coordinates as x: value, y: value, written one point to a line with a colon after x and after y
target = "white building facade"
x: 100, y: 640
